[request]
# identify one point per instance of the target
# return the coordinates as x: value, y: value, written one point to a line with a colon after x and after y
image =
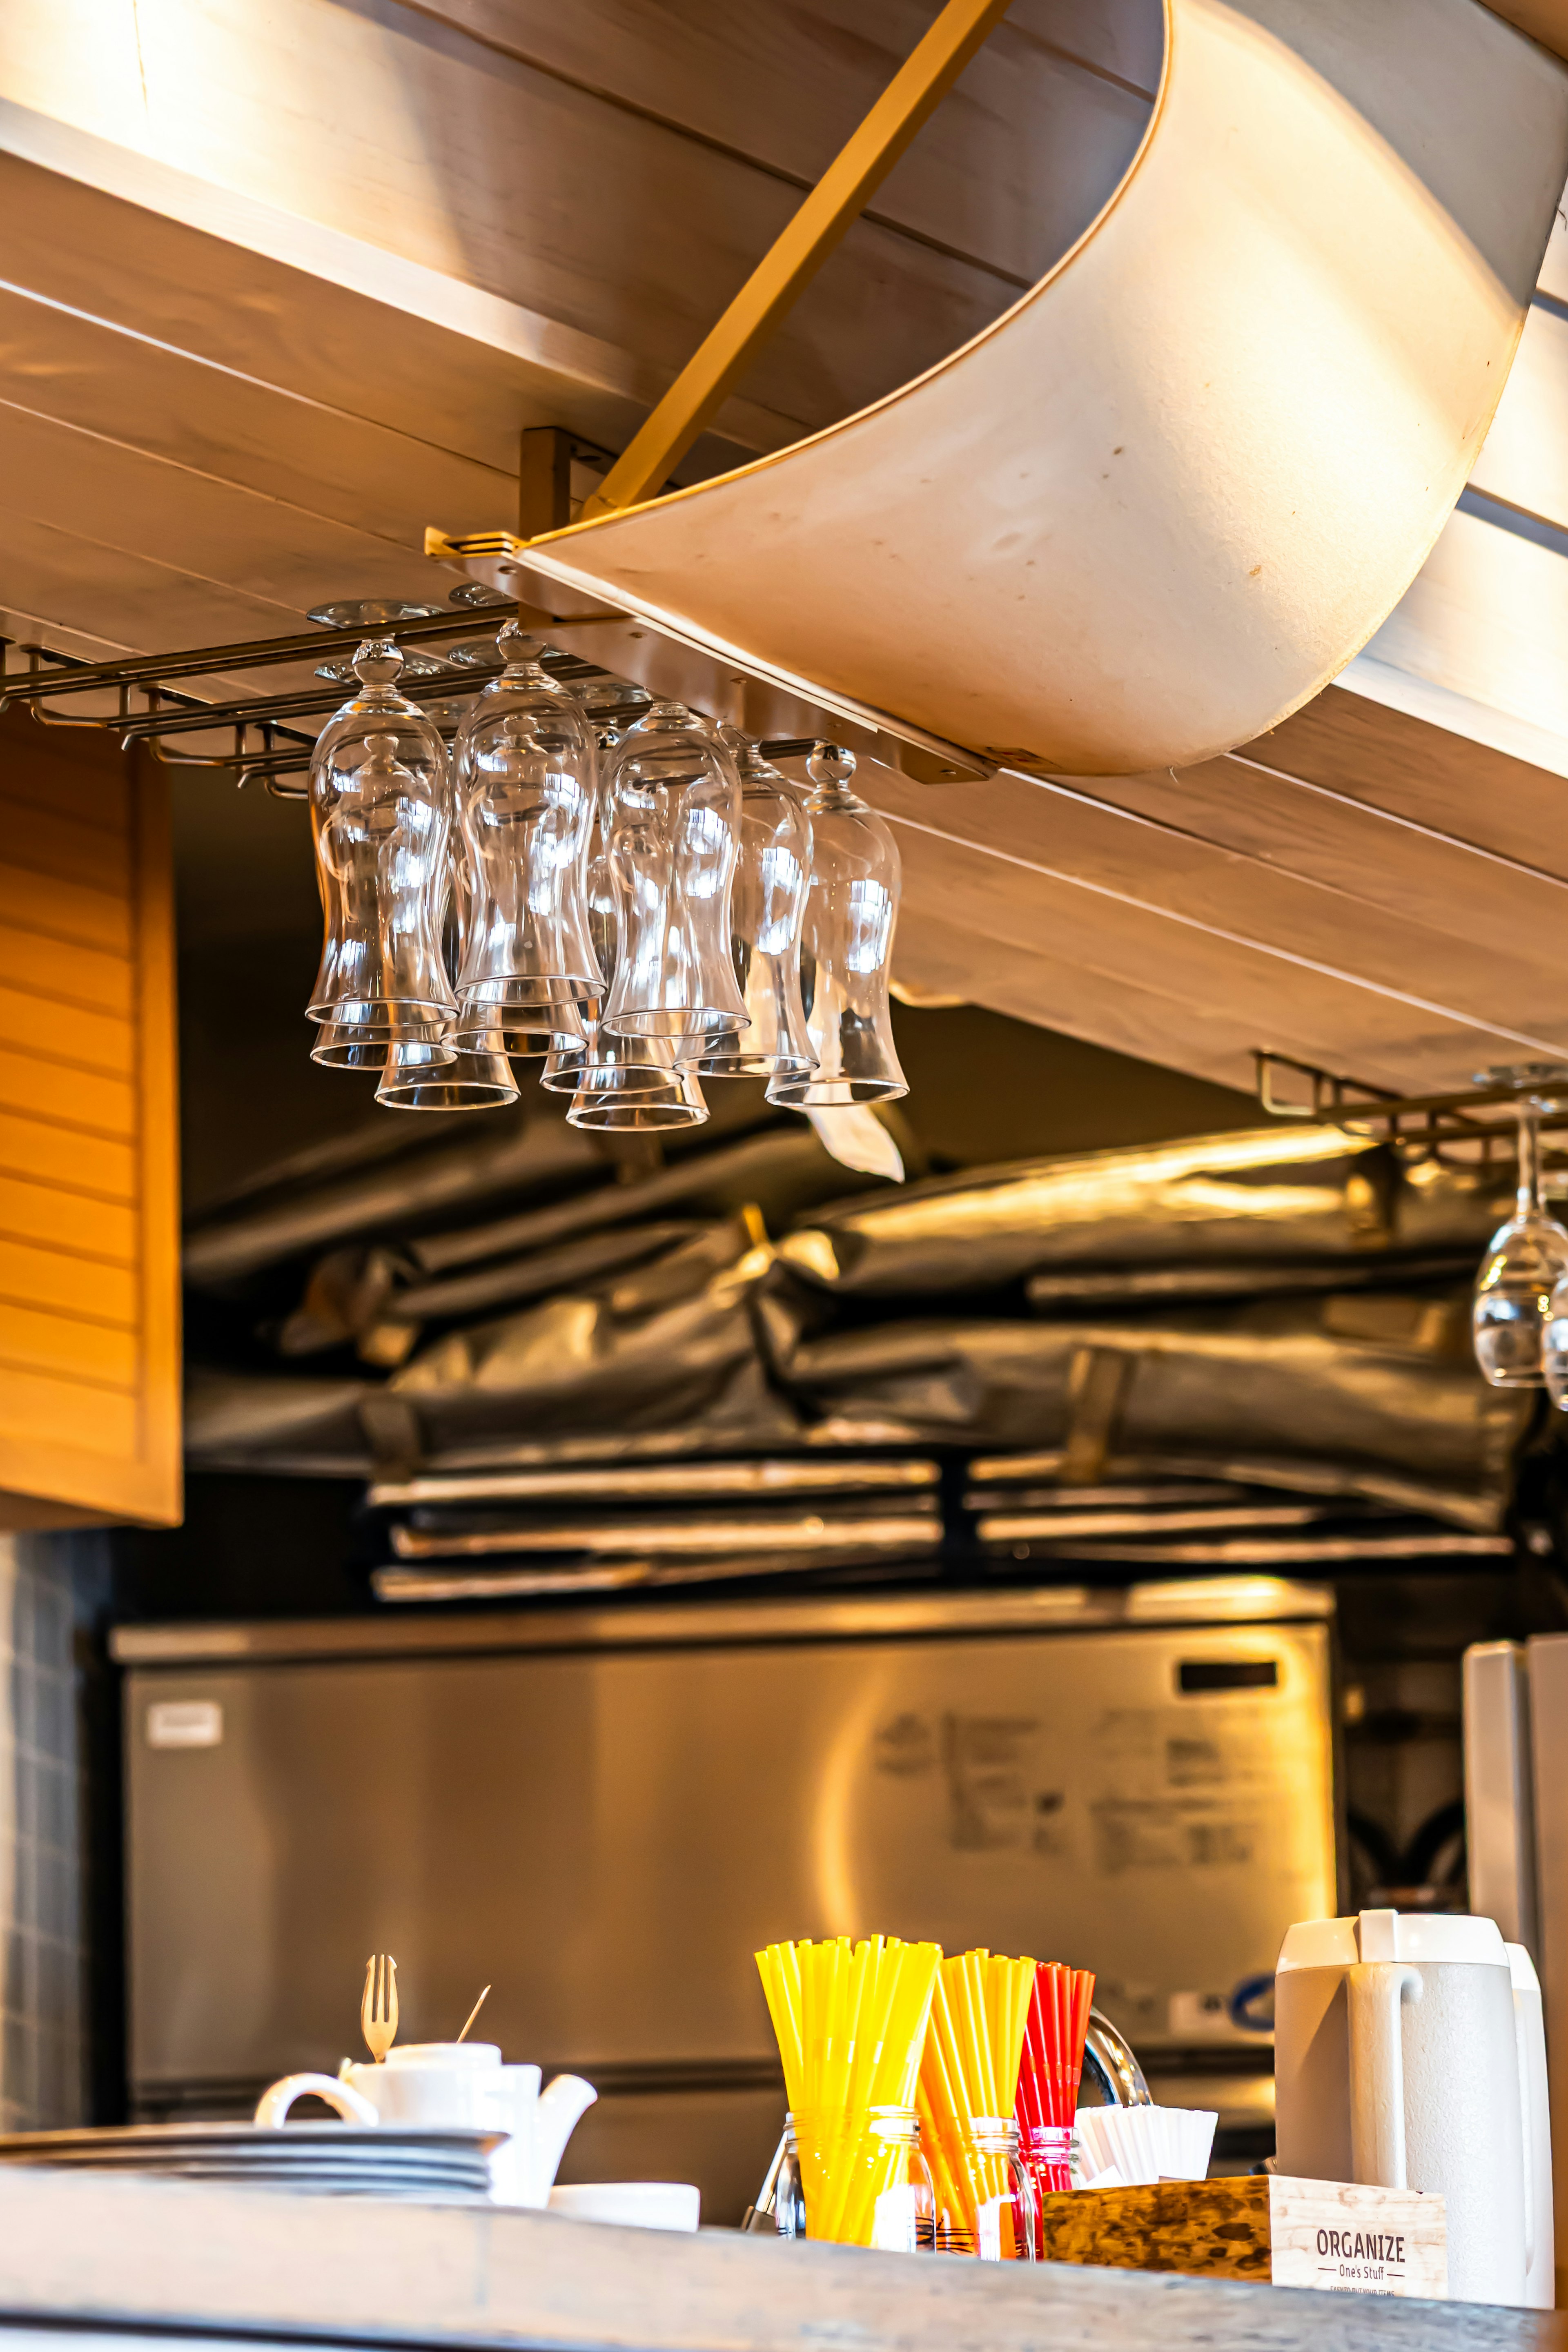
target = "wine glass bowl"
x: 1526, y: 1259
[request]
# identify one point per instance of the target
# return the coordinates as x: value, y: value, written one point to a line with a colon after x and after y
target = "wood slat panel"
x: 1424, y: 773
x: 1493, y: 991
x: 74, y: 1286
x: 41, y: 1408
x: 99, y: 1230
x: 62, y: 910
x: 1106, y: 1007
x: 38, y: 1024
x: 173, y: 406
x: 90, y: 1325
x: 36, y: 768
x: 72, y: 849
x: 1379, y: 865
x: 90, y: 1164
x: 70, y: 1097
x: 94, y: 1353
x: 88, y: 979
x: 787, y: 85
x: 1273, y: 1002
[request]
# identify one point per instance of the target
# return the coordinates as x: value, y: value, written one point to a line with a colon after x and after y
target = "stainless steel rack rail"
x: 1425, y: 1125
x: 268, y: 747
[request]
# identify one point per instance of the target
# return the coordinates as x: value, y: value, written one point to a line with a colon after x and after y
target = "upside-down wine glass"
x: 1526, y: 1259
x: 673, y: 817
x: 847, y: 942
x: 767, y: 900
x: 380, y: 820
x: 526, y: 787
x: 474, y: 1074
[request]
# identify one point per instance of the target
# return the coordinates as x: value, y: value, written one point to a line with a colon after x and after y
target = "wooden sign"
x: 1333, y: 2235
x: 1349, y: 2239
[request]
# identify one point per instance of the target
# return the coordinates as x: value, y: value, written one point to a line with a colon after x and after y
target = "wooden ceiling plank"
x: 1524, y: 457
x: 124, y: 503
x: 998, y: 172
x: 1189, y: 880
x: 1396, y: 761
x: 1281, y: 1003
x: 1373, y: 860
x: 1110, y: 1008
x: 99, y: 228
x: 93, y: 377
x: 470, y: 163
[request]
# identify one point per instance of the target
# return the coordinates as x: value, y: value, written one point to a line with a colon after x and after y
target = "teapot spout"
x: 555, y: 2118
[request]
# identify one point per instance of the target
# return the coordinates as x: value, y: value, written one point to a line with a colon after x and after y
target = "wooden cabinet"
x: 89, y: 1300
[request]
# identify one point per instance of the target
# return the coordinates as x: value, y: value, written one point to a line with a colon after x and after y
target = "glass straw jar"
x: 1001, y: 2225
x: 857, y: 2177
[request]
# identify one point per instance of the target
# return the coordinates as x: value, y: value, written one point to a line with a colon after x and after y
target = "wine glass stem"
x: 1529, y: 1163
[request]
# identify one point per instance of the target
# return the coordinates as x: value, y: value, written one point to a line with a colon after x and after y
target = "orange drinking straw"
x: 970, y: 2068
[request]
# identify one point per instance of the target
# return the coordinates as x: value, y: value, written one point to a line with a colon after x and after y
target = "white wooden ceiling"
x: 283, y: 287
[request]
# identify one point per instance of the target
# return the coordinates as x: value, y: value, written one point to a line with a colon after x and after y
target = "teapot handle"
x: 272, y: 2108
x: 1375, y: 1990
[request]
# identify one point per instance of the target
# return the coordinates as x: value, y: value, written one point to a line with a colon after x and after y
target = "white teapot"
x: 432, y: 2084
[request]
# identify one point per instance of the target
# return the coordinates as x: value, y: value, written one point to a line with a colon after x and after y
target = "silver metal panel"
x: 1210, y: 1600
x: 1499, y: 1812
x: 607, y: 1834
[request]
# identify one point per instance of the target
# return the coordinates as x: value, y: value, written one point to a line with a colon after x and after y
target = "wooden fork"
x: 378, y: 2005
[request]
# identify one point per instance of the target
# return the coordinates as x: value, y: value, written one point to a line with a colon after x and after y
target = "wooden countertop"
x: 103, y: 2254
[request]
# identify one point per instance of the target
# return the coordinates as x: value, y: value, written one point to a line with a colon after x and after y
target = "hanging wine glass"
x: 634, y: 1084
x: 526, y: 789
x: 1525, y: 1260
x: 673, y: 807
x: 471, y: 1072
x: 767, y: 900
x: 416, y: 1078
x: 846, y: 941
x: 380, y: 822
x: 345, y: 1045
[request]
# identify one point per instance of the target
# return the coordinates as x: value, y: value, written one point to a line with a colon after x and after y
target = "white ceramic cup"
x: 633, y: 2204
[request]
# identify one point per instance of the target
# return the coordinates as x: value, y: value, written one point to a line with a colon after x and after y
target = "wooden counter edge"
x: 104, y: 2252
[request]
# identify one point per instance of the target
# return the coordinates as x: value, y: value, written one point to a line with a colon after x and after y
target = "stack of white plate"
x: 329, y: 2160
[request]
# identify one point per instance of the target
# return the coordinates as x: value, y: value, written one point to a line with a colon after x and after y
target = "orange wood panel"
x: 36, y: 1023
x: 68, y: 848
x: 72, y: 1222
x: 97, y: 1354
x: 63, y: 972
x: 89, y: 1313
x: 35, y: 1277
x: 69, y: 1416
x: 65, y: 1155
x: 63, y: 909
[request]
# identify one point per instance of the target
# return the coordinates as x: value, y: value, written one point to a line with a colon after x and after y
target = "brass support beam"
x: 544, y: 481
x: 836, y: 201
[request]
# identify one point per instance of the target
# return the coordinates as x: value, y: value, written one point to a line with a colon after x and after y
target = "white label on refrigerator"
x: 184, y: 1723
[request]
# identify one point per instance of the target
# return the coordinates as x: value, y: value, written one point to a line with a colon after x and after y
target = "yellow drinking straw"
x: 850, y: 2021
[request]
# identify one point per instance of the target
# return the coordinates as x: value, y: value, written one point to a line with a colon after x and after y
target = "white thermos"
x: 1402, y: 2058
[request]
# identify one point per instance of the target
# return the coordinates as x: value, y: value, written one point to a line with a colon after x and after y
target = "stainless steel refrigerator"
x: 604, y: 1813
